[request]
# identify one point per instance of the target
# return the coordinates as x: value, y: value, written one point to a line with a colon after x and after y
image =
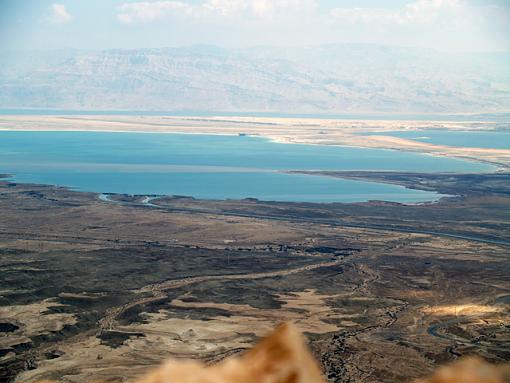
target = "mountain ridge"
x: 334, y: 78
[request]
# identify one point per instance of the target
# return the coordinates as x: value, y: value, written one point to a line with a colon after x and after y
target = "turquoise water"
x: 210, y: 167
x: 470, y: 139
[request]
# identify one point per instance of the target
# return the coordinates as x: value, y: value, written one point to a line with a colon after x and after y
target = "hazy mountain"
x: 324, y: 79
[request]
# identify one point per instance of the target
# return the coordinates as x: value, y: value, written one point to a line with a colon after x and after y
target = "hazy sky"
x: 450, y: 25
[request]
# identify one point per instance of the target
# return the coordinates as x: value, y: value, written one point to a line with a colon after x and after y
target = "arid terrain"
x: 180, y: 179
x: 104, y: 287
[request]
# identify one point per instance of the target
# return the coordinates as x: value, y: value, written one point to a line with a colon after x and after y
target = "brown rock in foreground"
x: 470, y: 370
x: 284, y: 358
x: 280, y: 358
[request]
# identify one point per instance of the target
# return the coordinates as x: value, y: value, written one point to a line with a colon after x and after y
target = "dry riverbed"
x: 107, y: 288
x: 93, y: 289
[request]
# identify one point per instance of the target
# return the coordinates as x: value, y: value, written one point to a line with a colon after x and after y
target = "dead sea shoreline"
x: 385, y: 266
x: 282, y: 130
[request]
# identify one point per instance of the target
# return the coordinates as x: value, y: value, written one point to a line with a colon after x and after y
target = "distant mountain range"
x: 340, y: 78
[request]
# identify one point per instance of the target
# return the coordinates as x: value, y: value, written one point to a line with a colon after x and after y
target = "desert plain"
x: 107, y: 286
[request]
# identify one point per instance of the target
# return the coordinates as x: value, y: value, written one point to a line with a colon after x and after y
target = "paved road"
x: 147, y: 202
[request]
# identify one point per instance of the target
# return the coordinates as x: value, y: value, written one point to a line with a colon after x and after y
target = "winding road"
x: 109, y: 321
x: 147, y: 202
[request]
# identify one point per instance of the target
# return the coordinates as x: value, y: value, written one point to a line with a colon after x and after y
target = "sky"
x: 445, y: 25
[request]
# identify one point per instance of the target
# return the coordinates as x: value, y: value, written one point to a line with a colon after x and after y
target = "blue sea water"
x: 209, y: 166
x: 470, y: 139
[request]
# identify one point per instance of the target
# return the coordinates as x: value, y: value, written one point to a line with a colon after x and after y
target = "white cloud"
x: 421, y: 11
x: 148, y: 11
x: 442, y: 24
x: 58, y: 14
x: 263, y: 8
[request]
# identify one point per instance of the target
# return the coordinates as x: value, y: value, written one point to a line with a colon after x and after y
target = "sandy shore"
x: 285, y: 130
